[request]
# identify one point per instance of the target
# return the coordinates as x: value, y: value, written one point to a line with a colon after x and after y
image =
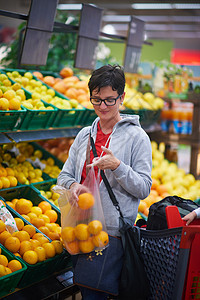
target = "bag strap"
x: 105, y: 180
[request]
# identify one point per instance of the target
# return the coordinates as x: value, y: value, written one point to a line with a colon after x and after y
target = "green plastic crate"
x: 28, y: 192
x: 10, y: 282
x: 90, y: 116
x: 46, y: 154
x: 41, y: 270
x: 12, y: 119
x: 147, y: 117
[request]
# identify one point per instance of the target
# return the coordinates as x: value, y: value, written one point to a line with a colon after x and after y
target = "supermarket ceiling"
x: 163, y: 19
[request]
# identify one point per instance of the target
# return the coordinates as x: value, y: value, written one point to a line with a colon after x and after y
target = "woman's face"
x: 104, y: 112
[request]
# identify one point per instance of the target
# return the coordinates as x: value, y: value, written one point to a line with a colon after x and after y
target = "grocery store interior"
x: 45, y: 65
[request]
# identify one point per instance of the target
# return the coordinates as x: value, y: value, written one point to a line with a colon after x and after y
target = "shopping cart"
x: 172, y: 258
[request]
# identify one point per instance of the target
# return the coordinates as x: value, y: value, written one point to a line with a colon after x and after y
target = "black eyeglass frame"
x: 104, y: 100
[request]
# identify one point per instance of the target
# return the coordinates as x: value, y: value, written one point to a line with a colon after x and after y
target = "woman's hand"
x: 108, y: 161
x: 75, y: 190
x: 190, y: 217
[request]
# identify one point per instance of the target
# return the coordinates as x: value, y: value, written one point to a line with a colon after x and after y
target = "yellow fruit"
x: 58, y: 246
x: 44, y: 205
x: 30, y: 257
x: 10, y: 172
x: 36, y: 210
x: 94, y: 227
x: 23, y: 235
x: 2, y: 271
x: 12, y: 244
x: 3, y: 260
x: 41, y: 253
x: 8, y: 270
x: 49, y: 249
x: 86, y: 246
x: 14, y: 104
x: 30, y: 229
x: 23, y: 206
x: 14, y: 265
x: 13, y: 180
x: 52, y: 214
x: 85, y: 201
x: 3, y: 236
x: 68, y: 234
x: 81, y: 232
x: 4, y: 104
x: 2, y: 226
x: 20, y: 223
x: 6, y: 182
x: 9, y: 94
x: 25, y: 246
x: 101, y: 239
x: 34, y: 243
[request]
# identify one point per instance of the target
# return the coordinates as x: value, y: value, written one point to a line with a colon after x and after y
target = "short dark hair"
x: 108, y: 76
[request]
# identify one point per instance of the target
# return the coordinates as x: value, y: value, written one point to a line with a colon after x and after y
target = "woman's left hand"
x: 108, y: 161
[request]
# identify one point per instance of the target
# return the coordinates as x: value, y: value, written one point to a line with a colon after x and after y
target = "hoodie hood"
x: 129, y: 119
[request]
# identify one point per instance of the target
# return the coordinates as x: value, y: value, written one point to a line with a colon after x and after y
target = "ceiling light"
x: 187, y: 6
x: 151, y: 6
x: 69, y: 6
x: 116, y: 18
x: 109, y: 29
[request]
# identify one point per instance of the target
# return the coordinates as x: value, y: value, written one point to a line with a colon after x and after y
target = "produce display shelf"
x: 9, y: 283
x: 147, y: 117
x: 41, y: 270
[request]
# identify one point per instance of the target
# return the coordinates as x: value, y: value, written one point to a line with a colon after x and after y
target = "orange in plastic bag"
x: 82, y: 221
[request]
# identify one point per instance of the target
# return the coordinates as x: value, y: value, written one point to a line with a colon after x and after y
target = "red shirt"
x: 101, y: 140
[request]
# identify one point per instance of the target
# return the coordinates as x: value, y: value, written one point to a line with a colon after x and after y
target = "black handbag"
x: 157, y: 216
x: 134, y: 284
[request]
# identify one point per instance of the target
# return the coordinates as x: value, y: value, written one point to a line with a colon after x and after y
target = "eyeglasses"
x: 108, y: 101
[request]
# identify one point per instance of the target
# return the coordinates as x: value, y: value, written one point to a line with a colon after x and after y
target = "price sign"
x: 86, y: 49
x: 38, y: 32
x: 134, y: 43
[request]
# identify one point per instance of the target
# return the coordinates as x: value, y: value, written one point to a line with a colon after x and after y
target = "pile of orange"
x: 42, y: 216
x: 28, y: 244
x: 84, y: 238
x: 7, y: 267
x: 157, y: 193
x: 7, y: 178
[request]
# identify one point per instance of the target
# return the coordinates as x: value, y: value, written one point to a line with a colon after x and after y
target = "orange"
x: 14, y: 265
x: 68, y: 234
x: 23, y: 235
x: 85, y: 201
x: 0, y: 250
x: 142, y: 206
x: 34, y: 243
x: 26, y: 217
x: 2, y: 226
x: 6, y: 182
x: 60, y: 86
x: 50, y: 80
x: 3, y: 260
x: 38, y: 222
x: 3, y: 236
x: 49, y: 249
x: 2, y: 271
x: 154, y: 193
x: 146, y: 211
x: 30, y: 229
x: 38, y: 75
x: 23, y: 206
x: 36, y: 210
x: 10, y: 172
x: 94, y: 227
x: 37, y: 235
x: 41, y: 253
x: 81, y: 232
x: 10, y: 204
x: 86, y: 246
x: 149, y: 200
x: 44, y: 229
x: 52, y: 214
x: 25, y: 246
x: 155, y: 183
x: 13, y: 180
x: 1, y: 186
x: 8, y: 270
x: 3, y: 172
x: 66, y: 72
x: 44, y: 205
x: 20, y: 223
x: 17, y: 254
x: 43, y: 240
x: 30, y: 257
x: 14, y: 201
x: 101, y: 239
x: 58, y: 246
x: 12, y: 244
x: 54, y: 236
x: 161, y: 189
x: 73, y: 247
x: 45, y: 218
x: 31, y: 216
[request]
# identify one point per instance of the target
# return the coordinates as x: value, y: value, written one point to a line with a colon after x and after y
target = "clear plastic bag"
x: 8, y: 219
x: 82, y: 222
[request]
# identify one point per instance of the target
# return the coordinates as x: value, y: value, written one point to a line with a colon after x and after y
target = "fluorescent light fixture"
x: 165, y: 6
x: 116, y: 18
x: 151, y: 6
x: 69, y: 6
x: 109, y: 29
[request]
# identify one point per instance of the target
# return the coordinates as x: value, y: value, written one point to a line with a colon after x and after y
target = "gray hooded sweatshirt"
x: 130, y: 182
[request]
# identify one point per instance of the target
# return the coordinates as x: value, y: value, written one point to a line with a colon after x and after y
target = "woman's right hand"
x: 75, y: 190
x: 190, y: 217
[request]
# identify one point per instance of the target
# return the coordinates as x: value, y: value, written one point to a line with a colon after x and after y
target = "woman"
x: 124, y: 152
